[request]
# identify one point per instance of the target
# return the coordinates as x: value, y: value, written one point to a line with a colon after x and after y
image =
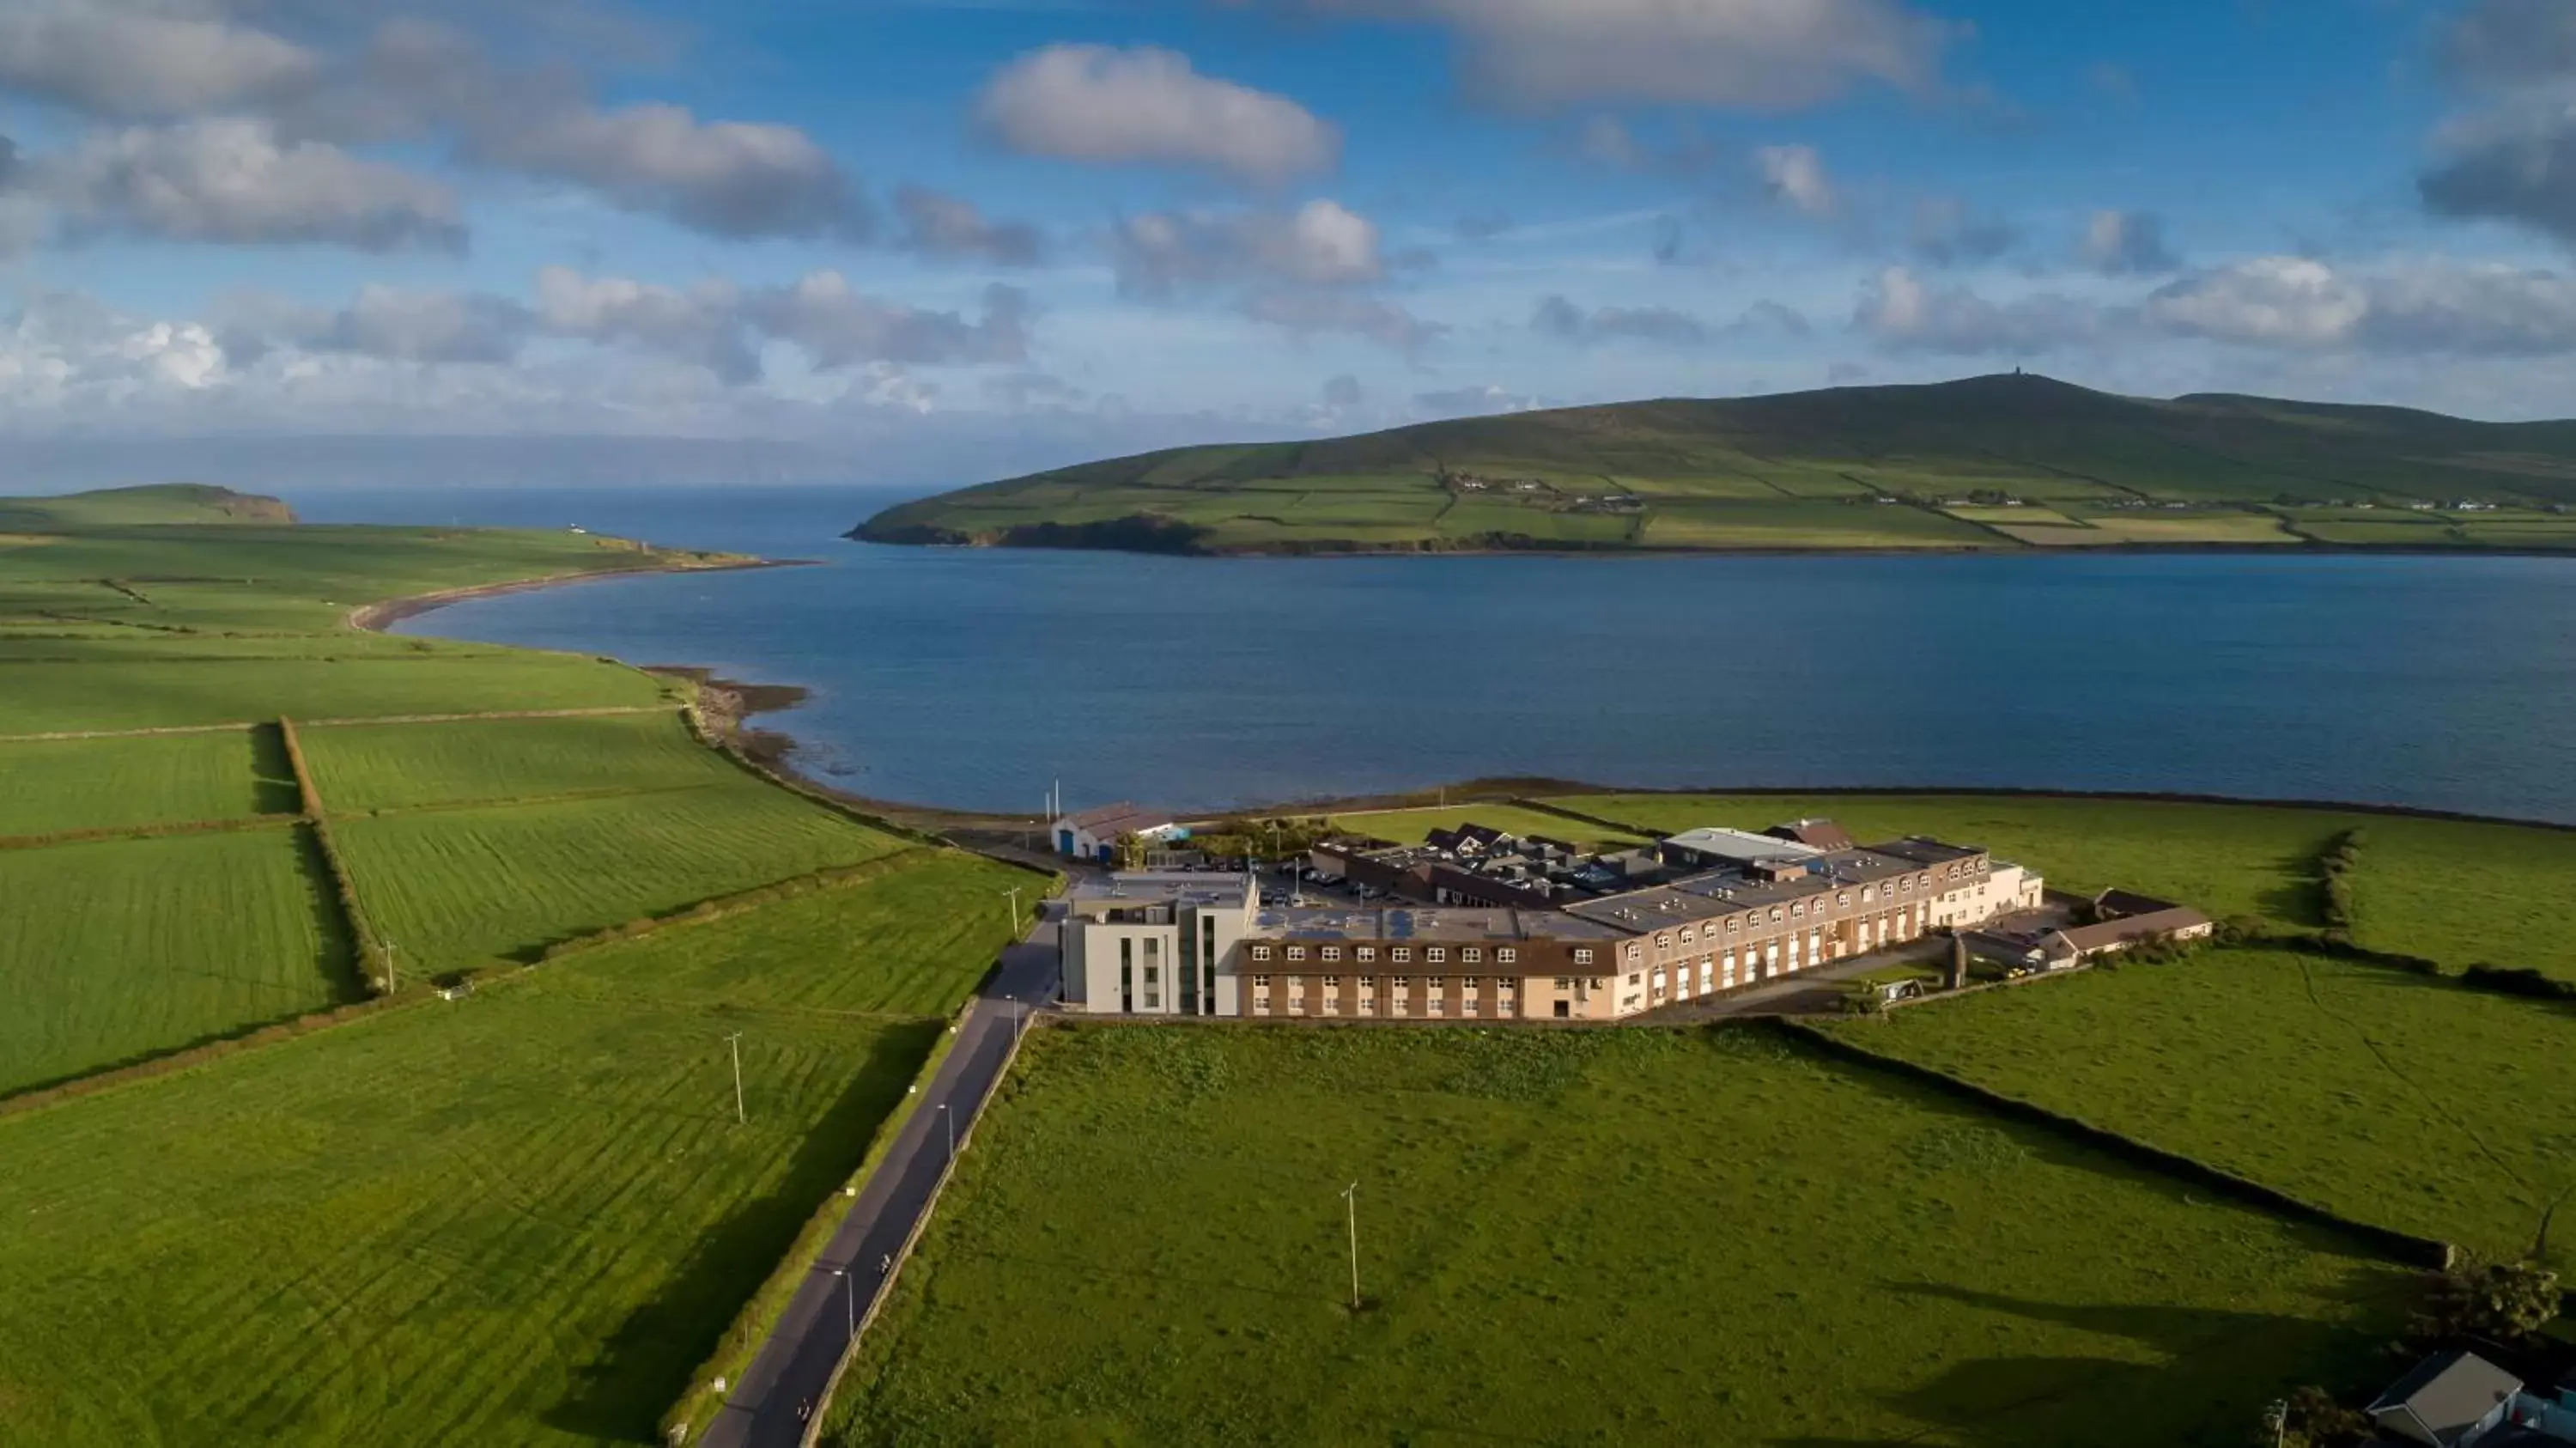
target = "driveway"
x: 793, y: 1366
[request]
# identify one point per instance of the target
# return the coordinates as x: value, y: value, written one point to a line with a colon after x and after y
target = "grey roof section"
x: 1406, y: 922
x: 1724, y: 892
x: 1172, y: 888
x: 2447, y: 1394
x: 1926, y: 851
x: 1744, y: 846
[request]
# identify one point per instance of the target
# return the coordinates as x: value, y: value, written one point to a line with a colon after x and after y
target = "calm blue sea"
x: 975, y: 678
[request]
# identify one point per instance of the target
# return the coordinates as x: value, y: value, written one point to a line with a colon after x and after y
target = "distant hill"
x: 155, y: 503
x: 1999, y: 462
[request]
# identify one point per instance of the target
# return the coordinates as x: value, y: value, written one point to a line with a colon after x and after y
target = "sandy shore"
x: 384, y: 615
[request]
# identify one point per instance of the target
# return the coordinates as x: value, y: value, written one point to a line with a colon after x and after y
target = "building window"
x: 1507, y: 955
x: 1152, y: 999
x: 1687, y: 936
x: 1400, y: 954
x: 1635, y: 952
x: 1663, y: 940
x: 1472, y: 954
x: 1153, y: 975
x: 1842, y: 897
x: 1734, y: 924
x: 1868, y: 893
x: 1583, y: 955
x: 1368, y: 982
x: 1332, y: 952
x: 1296, y: 952
x: 1593, y: 982
x: 1261, y: 952
x: 1632, y: 977
x: 1366, y: 952
x: 1332, y: 982
x: 1436, y: 954
x: 1775, y: 914
x: 1261, y: 982
x: 1799, y: 910
x: 1905, y: 885
x: 1564, y: 982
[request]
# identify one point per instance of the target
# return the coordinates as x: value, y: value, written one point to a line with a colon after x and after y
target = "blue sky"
x: 900, y: 232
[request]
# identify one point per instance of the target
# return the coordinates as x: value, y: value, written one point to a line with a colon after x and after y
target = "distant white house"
x: 1094, y: 833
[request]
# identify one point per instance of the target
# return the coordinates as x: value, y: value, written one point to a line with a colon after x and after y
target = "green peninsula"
x: 2006, y: 462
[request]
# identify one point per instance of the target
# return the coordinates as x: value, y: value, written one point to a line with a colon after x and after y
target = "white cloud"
x: 2409, y: 308
x: 1905, y: 314
x: 725, y: 178
x: 235, y: 180
x: 397, y: 325
x: 1148, y: 106
x: 1946, y: 233
x: 2125, y: 243
x: 93, y: 57
x: 1764, y: 54
x: 2278, y: 300
x: 1320, y: 244
x: 838, y: 326
x: 1362, y: 316
x: 1796, y: 174
x: 936, y: 224
x: 699, y: 324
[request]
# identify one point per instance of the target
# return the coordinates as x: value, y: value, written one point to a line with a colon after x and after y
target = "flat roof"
x: 1735, y: 844
x: 1713, y: 893
x: 1422, y: 922
x: 1926, y: 851
x: 1167, y: 887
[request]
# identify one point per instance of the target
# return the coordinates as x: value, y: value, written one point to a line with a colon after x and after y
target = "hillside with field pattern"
x: 1988, y: 463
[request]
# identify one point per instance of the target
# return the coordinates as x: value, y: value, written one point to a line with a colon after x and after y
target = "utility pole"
x: 1014, y: 893
x: 1351, y: 1199
x: 849, y: 1298
x: 1015, y: 1018
x: 950, y: 1117
x: 739, y: 1115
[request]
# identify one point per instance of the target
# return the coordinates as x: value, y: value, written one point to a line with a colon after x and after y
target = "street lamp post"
x: 950, y: 1117
x: 1351, y: 1198
x: 849, y: 1297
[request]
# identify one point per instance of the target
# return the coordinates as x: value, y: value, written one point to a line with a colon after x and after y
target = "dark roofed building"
x: 1822, y: 834
x: 2083, y: 942
x: 2450, y: 1400
x: 2116, y: 904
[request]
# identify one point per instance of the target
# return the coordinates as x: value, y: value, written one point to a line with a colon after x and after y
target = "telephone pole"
x: 739, y: 1115
x: 1351, y: 1199
x: 1014, y: 893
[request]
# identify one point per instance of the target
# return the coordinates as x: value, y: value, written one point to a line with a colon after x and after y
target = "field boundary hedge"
x: 148, y: 832
x: 364, y: 944
x: 2401, y: 1247
x: 189, y: 1057
x: 751, y: 1328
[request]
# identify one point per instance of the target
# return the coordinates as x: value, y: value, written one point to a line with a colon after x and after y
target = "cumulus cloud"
x: 937, y: 224
x: 2406, y: 309
x: 837, y: 325
x: 1946, y: 233
x: 1147, y: 106
x: 1796, y: 175
x: 725, y: 178
x: 2510, y: 43
x: 140, y: 65
x: 1561, y: 319
x: 1904, y: 313
x: 1320, y: 244
x: 2126, y: 243
x: 1362, y: 316
x: 236, y: 180
x: 700, y: 324
x: 2518, y: 166
x: 1763, y: 54
x: 397, y: 325
x: 1609, y: 142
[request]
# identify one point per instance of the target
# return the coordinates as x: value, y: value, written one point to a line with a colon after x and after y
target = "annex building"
x: 1710, y: 911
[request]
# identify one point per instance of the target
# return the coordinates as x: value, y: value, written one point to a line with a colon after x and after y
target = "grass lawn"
x: 476, y: 885
x: 2224, y: 859
x: 360, y: 767
x: 1409, y: 826
x: 2466, y: 893
x: 116, y: 949
x: 519, y: 1218
x: 1802, y: 524
x: 78, y: 784
x: 2385, y: 1096
x: 1570, y: 1237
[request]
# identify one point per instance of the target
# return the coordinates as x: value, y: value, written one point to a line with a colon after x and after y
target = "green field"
x: 366, y: 767
x: 88, y: 784
x: 114, y: 950
x: 2397, y: 1100
x: 1857, y: 467
x: 1571, y: 1237
x: 2466, y: 893
x: 476, y: 885
x: 1409, y: 826
x: 519, y: 1218
x: 2223, y: 859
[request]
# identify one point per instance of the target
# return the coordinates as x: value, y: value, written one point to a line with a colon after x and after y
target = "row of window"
x: 1369, y: 982
x: 1403, y: 954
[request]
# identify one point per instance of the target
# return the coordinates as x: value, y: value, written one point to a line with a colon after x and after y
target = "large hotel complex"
x: 1479, y: 925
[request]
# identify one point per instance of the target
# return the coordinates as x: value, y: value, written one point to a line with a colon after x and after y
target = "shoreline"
x: 777, y: 749
x: 1327, y: 551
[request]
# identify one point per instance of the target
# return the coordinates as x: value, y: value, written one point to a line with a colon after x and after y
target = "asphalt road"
x: 762, y: 1411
